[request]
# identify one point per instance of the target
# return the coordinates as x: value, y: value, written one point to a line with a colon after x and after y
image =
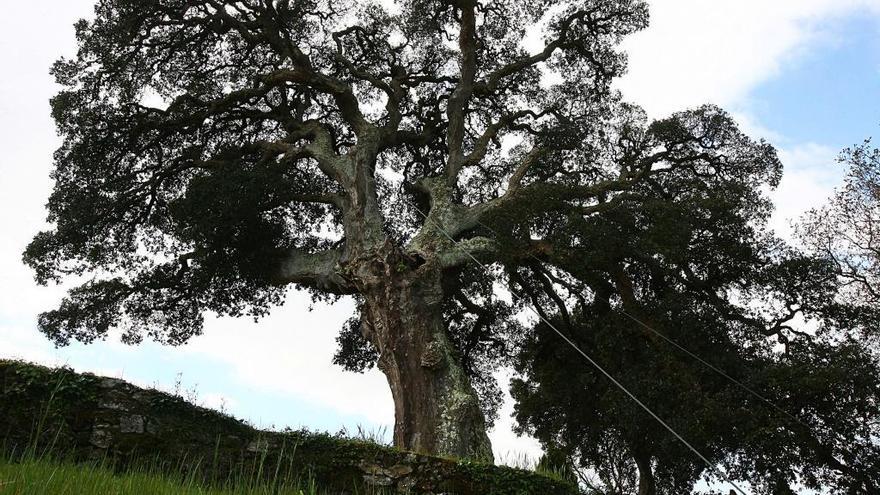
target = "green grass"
x: 50, y: 477
x: 41, y: 402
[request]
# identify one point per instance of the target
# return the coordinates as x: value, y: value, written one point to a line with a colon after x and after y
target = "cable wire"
x: 689, y: 353
x: 709, y: 365
x: 695, y: 356
x: 602, y: 370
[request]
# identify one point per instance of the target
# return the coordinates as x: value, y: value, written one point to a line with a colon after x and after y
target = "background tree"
x: 846, y: 231
x: 217, y: 153
x: 691, y: 258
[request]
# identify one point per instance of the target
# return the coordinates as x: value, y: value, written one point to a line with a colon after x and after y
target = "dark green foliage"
x: 692, y: 260
x: 355, y: 353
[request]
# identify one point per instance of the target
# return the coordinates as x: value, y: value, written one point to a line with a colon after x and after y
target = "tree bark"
x: 436, y: 409
x: 646, y: 475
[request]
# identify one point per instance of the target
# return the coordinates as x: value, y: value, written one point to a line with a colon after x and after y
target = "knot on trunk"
x: 433, y: 356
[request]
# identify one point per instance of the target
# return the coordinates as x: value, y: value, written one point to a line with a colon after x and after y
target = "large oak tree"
x: 217, y: 153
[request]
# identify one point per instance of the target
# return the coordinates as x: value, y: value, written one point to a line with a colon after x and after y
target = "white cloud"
x: 218, y: 401
x: 699, y: 51
x: 509, y: 448
x: 290, y: 352
x: 811, y: 174
x: 27, y: 138
x: 19, y: 341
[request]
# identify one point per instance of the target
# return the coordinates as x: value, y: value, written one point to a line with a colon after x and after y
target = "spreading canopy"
x: 217, y: 153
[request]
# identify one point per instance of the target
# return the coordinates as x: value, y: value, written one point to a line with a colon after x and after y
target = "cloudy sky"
x: 804, y: 74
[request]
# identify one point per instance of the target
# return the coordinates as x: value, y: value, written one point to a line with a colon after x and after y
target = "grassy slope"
x: 53, y: 411
x: 46, y: 477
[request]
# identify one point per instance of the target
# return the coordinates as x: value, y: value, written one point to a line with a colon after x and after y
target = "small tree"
x: 846, y: 231
x: 217, y: 153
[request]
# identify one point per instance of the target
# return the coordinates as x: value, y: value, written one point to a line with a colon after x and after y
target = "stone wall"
x: 88, y: 417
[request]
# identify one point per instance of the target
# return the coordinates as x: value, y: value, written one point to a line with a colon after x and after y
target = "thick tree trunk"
x: 436, y: 408
x: 646, y: 475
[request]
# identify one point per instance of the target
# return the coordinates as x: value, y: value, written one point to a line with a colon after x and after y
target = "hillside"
x: 82, y: 417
